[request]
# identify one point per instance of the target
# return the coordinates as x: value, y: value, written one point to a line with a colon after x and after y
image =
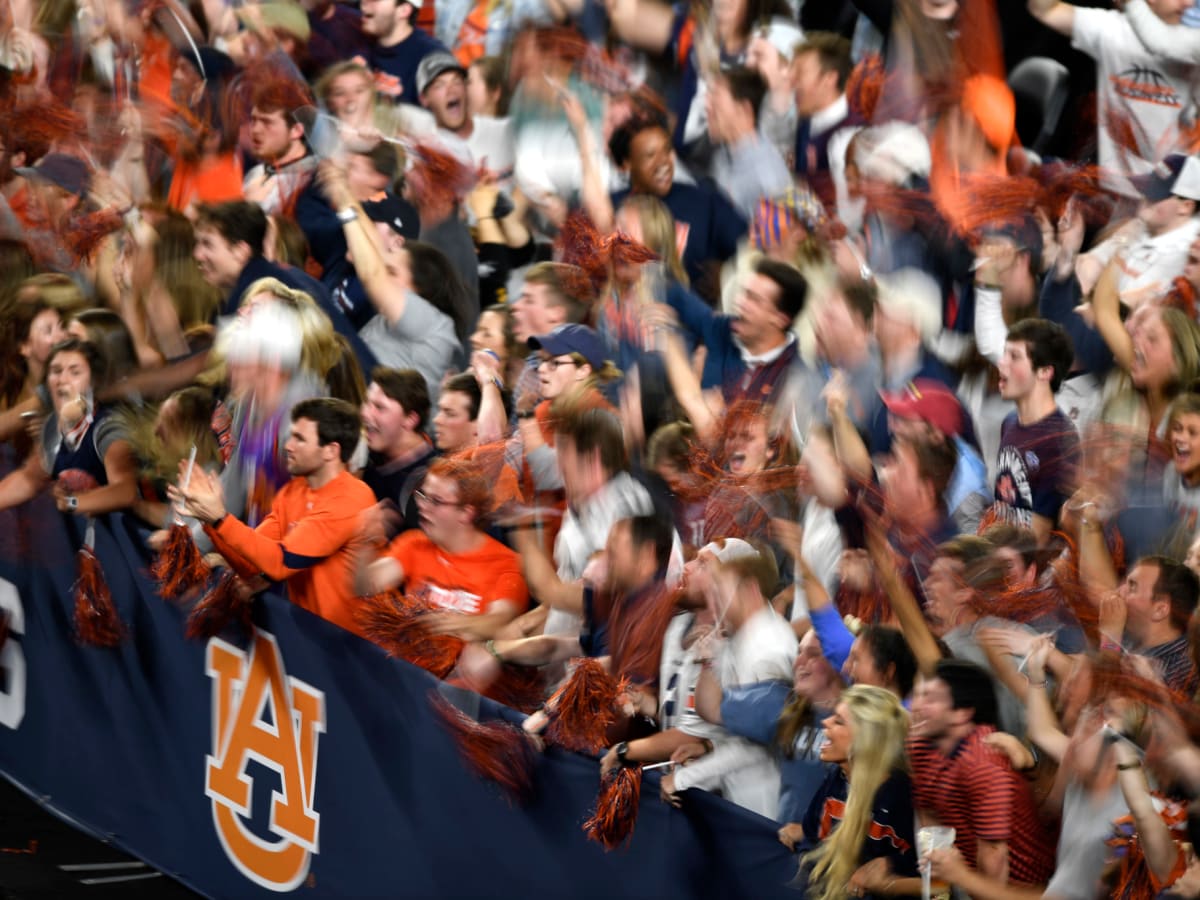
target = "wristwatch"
x: 72, y: 502
x: 347, y: 215
x: 621, y: 749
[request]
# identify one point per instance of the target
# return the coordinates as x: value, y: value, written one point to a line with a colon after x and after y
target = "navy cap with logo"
x: 396, y: 213
x: 1178, y: 175
x: 67, y: 172
x: 434, y: 65
x: 573, y: 339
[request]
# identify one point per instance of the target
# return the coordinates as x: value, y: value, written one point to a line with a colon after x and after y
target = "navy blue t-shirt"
x: 890, y: 834
x: 400, y: 61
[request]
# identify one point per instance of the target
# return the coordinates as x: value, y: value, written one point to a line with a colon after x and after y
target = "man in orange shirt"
x: 309, y: 539
x: 449, y: 561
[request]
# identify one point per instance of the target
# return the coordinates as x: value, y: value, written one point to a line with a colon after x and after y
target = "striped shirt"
x: 976, y: 792
x: 1175, y: 660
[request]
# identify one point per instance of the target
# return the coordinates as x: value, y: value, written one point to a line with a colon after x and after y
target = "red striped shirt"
x: 975, y: 791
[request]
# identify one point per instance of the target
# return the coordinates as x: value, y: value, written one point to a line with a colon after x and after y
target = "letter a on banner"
x: 259, y: 713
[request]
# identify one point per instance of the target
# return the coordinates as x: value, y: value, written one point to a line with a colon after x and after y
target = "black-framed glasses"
x: 434, y: 501
x: 552, y: 363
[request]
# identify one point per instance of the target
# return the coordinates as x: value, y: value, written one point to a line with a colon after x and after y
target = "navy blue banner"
x: 303, y: 759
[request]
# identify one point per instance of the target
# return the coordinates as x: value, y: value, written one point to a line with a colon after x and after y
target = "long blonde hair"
x: 658, y: 232
x: 876, y: 751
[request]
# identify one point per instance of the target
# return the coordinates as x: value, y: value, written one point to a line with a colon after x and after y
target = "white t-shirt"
x: 746, y: 773
x: 1131, y: 81
x: 584, y: 532
x: 492, y: 145
x: 1148, y: 264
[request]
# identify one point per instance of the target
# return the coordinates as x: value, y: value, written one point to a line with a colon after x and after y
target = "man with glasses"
x: 449, y: 561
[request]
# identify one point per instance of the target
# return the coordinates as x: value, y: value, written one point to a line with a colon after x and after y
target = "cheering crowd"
x: 828, y: 371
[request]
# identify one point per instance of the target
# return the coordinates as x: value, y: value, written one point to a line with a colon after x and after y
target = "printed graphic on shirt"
x: 1014, y: 493
x: 450, y: 598
x: 1145, y: 85
x: 835, y: 811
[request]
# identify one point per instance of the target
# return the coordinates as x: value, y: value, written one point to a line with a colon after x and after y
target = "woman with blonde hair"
x: 347, y: 90
x: 1157, y: 350
x: 860, y: 822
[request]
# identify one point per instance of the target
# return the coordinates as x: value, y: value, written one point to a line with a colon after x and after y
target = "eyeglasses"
x: 434, y: 501
x: 553, y: 364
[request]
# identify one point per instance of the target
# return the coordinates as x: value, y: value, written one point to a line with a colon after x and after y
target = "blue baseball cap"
x: 572, y: 339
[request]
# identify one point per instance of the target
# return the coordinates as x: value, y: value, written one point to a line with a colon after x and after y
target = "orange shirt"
x: 309, y: 539
x: 465, y: 582
x: 206, y: 181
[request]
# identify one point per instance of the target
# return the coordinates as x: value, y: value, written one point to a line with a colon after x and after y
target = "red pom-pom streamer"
x: 582, y: 709
x: 179, y: 567
x: 227, y: 602
x: 518, y: 687
x: 579, y: 243
x: 96, y: 619
x: 1182, y: 296
x: 496, y: 750
x: 616, y: 807
x: 865, y: 86
x: 394, y: 622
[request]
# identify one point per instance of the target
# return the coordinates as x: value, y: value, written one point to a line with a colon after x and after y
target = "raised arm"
x: 540, y: 575
x: 646, y: 24
x: 908, y: 612
x: 1106, y: 307
x: 363, y: 244
x: 848, y: 444
x: 1174, y: 42
x: 684, y: 383
x: 1152, y: 832
x: 593, y: 190
x: 1042, y: 724
x: 1054, y: 14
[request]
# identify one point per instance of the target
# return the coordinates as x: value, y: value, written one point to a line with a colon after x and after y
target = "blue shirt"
x: 401, y: 61
x: 752, y: 711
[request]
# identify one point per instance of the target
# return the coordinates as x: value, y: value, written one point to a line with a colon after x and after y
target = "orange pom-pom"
x: 227, y: 602
x: 496, y: 750
x: 582, y: 709
x: 395, y: 622
x: 616, y: 810
x: 96, y: 619
x: 179, y: 567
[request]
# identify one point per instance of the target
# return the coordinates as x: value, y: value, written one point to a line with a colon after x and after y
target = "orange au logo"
x: 284, y: 739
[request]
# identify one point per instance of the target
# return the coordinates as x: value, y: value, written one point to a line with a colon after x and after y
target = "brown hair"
x: 474, y: 488
x: 833, y: 53
x: 595, y: 431
x: 407, y: 387
x: 570, y: 287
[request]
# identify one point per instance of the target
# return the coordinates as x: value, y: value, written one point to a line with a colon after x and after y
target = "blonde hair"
x: 55, y: 290
x: 324, y: 85
x: 658, y: 232
x: 319, y: 349
x: 876, y: 751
